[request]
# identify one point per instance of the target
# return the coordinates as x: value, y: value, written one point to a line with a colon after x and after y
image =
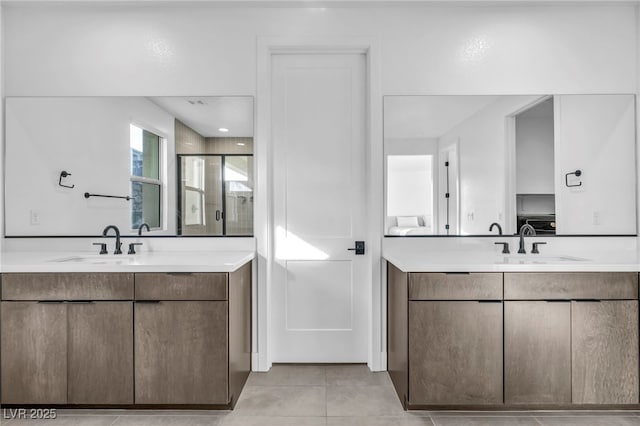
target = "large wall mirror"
x: 182, y: 165
x: 455, y: 165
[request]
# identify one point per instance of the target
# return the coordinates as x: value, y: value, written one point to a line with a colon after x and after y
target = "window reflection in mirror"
x: 146, y: 183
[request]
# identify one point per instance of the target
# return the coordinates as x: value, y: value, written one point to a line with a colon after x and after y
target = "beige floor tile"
x: 355, y: 375
x: 577, y: 413
x: 67, y: 421
x: 283, y: 401
x: 459, y: 413
x: 151, y: 412
x: 233, y: 420
x: 289, y: 375
x: 589, y: 421
x: 379, y: 421
x: 168, y: 421
x: 346, y: 401
x: 485, y: 421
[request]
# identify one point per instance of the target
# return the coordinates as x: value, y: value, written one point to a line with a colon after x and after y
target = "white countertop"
x: 160, y: 261
x: 557, y: 256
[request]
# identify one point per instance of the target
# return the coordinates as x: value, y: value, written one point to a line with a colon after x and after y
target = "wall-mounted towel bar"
x: 126, y: 197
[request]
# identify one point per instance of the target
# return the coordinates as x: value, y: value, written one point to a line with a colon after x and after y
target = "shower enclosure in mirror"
x: 455, y: 165
x: 182, y: 165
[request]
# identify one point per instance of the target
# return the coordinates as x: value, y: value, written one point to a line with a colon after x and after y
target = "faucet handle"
x: 103, y: 247
x: 132, y: 248
x: 534, y: 250
x: 505, y: 247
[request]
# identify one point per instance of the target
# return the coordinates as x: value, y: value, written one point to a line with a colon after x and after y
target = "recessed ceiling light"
x: 240, y: 143
x: 223, y: 129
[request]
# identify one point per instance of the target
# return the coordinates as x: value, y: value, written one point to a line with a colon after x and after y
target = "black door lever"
x: 359, y: 248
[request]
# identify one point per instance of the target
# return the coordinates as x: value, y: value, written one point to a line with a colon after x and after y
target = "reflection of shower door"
x: 207, y: 207
x: 201, y: 206
x: 238, y: 194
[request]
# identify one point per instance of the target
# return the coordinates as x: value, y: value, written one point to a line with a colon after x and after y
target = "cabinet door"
x: 101, y: 353
x: 605, y: 352
x: 181, y: 354
x: 455, y: 353
x: 537, y: 352
x: 33, y: 353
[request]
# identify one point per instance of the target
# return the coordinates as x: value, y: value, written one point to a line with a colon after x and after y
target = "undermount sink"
x: 98, y: 260
x: 528, y: 259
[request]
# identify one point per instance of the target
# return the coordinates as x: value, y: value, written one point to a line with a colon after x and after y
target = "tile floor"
x: 343, y: 395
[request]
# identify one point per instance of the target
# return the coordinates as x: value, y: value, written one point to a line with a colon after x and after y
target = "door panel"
x: 537, y: 352
x: 181, y: 353
x: 319, y: 288
x: 455, y: 353
x: 101, y: 353
x: 33, y: 353
x: 605, y: 352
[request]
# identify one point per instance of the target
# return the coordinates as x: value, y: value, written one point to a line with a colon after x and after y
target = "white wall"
x: 410, y: 185
x: 179, y: 49
x: 482, y: 163
x: 534, y: 155
x: 89, y: 138
x: 595, y: 134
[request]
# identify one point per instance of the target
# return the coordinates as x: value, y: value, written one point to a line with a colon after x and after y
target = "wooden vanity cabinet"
x: 455, y: 339
x: 67, y: 338
x: 571, y: 338
x: 70, y: 338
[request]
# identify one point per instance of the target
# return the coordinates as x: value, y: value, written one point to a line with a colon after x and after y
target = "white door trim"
x: 264, y: 225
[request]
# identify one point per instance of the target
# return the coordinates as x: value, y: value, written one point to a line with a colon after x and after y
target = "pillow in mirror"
x: 408, y: 221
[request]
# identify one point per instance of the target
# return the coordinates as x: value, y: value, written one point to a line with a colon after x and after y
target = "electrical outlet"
x: 35, y: 217
x: 596, y: 218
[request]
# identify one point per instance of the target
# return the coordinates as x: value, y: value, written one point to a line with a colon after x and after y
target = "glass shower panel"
x: 201, y: 195
x: 238, y: 181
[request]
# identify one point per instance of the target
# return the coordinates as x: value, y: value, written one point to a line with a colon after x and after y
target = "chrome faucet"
x: 494, y: 224
x: 118, y: 243
x: 526, y: 229
x: 144, y: 225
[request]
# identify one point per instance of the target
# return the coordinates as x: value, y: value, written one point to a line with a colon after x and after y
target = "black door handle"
x: 359, y: 248
x: 217, y: 214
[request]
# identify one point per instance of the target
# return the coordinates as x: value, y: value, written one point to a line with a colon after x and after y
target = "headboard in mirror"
x: 455, y: 165
x: 182, y: 165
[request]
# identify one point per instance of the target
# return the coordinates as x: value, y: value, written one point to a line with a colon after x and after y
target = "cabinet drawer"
x: 67, y: 286
x: 181, y: 286
x: 453, y: 286
x: 570, y: 285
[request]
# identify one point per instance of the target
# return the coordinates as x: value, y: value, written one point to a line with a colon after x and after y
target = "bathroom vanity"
x: 513, y: 340
x: 178, y: 336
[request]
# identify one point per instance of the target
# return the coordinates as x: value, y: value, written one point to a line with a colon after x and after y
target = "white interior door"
x: 319, y: 288
x: 448, y: 189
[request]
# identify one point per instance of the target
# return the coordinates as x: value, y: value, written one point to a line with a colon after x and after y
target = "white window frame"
x: 162, y: 165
